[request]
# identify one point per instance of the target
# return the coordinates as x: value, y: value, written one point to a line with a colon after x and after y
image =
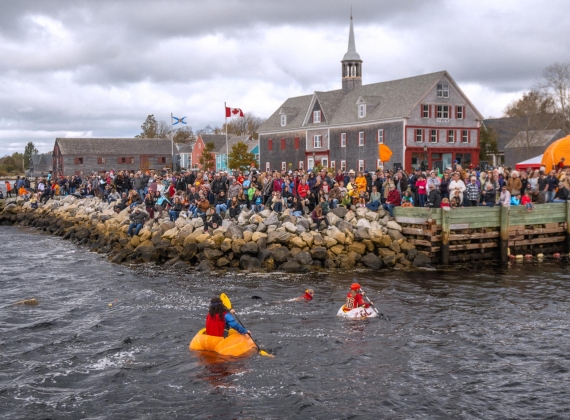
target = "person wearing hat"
x: 354, y: 298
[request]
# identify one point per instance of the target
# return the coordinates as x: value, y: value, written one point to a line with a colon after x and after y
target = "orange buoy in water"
x: 235, y: 344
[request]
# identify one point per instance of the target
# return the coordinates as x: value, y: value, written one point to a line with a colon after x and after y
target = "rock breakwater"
x: 256, y: 241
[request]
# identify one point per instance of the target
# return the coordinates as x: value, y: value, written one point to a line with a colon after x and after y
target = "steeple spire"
x: 351, y: 63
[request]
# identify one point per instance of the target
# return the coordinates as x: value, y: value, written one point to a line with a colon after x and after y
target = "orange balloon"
x: 555, y: 152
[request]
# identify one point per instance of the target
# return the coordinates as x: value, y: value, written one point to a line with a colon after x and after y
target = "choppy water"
x: 466, y: 343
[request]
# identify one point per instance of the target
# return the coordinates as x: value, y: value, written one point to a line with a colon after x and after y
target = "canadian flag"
x: 233, y: 112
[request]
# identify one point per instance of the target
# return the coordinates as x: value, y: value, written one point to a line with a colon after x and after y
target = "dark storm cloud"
x: 101, y: 66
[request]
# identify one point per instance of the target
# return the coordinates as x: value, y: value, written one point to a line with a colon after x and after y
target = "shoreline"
x: 265, y: 241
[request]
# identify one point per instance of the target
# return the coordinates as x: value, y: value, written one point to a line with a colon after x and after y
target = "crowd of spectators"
x: 195, y: 193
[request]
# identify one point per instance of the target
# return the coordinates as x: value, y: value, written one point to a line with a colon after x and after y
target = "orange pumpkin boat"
x: 235, y: 344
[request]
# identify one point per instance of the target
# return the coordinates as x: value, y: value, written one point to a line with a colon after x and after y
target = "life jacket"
x: 307, y: 296
x: 349, y: 302
x: 215, y: 325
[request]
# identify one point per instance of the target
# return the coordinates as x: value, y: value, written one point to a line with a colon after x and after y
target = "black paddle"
x: 374, y: 307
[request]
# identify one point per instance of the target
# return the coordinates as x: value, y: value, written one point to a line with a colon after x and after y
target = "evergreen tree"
x: 28, y: 152
x: 207, y: 159
x: 149, y: 128
x: 239, y: 157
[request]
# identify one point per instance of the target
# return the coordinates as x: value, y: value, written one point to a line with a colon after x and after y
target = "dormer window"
x: 361, y: 111
x: 316, y: 116
x: 443, y: 90
x: 283, y: 120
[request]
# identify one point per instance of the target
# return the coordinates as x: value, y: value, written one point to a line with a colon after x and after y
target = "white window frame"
x: 464, y: 136
x: 267, y: 167
x: 443, y: 90
x: 433, y: 136
x: 460, y: 113
x: 342, y: 139
x: 310, y: 163
x: 333, y: 165
x: 301, y: 165
x: 381, y: 136
x: 379, y: 164
x: 316, y: 116
x: 443, y: 112
x: 451, y: 136
x: 317, y: 141
x: 343, y: 165
x: 283, y: 166
x: 425, y: 111
x: 361, y: 138
x: 283, y: 120
x: 361, y: 110
x: 361, y: 166
x: 325, y: 162
x: 419, y: 135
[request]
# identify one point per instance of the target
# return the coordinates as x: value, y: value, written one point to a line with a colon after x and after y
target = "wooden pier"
x: 475, y: 233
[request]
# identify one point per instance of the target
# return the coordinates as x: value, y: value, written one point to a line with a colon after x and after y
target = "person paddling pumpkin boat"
x: 354, y: 298
x: 219, y: 320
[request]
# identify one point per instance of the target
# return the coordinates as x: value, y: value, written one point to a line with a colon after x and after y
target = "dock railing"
x: 473, y: 233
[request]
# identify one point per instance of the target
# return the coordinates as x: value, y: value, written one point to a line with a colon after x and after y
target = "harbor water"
x: 474, y: 342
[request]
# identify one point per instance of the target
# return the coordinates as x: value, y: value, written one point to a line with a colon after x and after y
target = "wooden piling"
x: 567, y: 226
x: 444, y: 237
x: 504, y: 234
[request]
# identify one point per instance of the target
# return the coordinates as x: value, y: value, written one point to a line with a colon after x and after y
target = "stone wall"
x: 263, y: 241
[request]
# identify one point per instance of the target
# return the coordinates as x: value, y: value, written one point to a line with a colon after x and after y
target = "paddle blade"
x: 264, y: 353
x: 226, y: 301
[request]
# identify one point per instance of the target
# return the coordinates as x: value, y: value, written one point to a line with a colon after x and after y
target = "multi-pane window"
x: 343, y: 165
x: 333, y: 165
x: 283, y: 120
x: 101, y: 161
x: 361, y: 111
x: 434, y: 136
x: 460, y: 112
x: 283, y: 166
x: 317, y: 141
x: 310, y: 163
x: 360, y: 165
x: 325, y: 163
x: 378, y: 164
x: 443, y: 90
x: 161, y: 160
x: 419, y: 135
x: 381, y: 136
x: 465, y: 136
x: 267, y: 167
x: 301, y: 164
x: 450, y: 136
x: 343, y: 140
x: 316, y: 116
x: 443, y: 111
x: 361, y: 138
x: 425, y: 111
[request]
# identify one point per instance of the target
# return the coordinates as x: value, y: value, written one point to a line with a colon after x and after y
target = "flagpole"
x: 172, y: 142
x: 227, y: 149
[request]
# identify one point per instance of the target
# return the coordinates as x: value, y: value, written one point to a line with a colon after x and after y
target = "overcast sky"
x: 98, y: 68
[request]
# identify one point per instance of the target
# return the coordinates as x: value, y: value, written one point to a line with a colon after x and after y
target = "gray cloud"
x: 100, y: 67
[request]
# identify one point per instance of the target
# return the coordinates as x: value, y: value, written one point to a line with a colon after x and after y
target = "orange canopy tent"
x: 384, y: 153
x: 555, y: 152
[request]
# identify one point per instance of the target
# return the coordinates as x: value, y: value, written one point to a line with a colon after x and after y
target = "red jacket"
x: 307, y: 296
x: 393, y: 198
x: 215, y: 326
x: 355, y: 301
x: 302, y: 190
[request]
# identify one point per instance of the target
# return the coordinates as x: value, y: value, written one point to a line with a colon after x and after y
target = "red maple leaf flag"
x: 233, y: 112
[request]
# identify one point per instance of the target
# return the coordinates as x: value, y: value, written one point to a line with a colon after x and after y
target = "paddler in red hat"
x: 354, y: 298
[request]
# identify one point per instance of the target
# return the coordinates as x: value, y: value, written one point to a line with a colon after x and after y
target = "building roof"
x: 387, y: 100
x: 534, y: 138
x: 113, y: 146
x: 185, y: 147
x: 41, y: 159
x: 236, y: 139
x: 351, y: 54
x: 508, y: 127
x: 219, y: 140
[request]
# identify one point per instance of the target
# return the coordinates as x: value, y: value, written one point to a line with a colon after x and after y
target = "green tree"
x: 207, y: 159
x: 239, y: 157
x: 184, y: 135
x: 149, y: 128
x: 488, y: 143
x: 28, y: 152
x: 247, y: 125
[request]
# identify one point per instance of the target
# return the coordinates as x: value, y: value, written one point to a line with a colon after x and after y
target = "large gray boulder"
x: 339, y: 212
x: 371, y: 261
x: 280, y: 254
x: 421, y: 260
x: 304, y: 258
x: 247, y: 262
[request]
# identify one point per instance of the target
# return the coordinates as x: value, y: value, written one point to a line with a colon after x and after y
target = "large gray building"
x: 526, y: 145
x: 81, y: 156
x: 40, y: 165
x: 425, y: 120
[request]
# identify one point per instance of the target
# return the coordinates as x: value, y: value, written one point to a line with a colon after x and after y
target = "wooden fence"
x: 473, y: 233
